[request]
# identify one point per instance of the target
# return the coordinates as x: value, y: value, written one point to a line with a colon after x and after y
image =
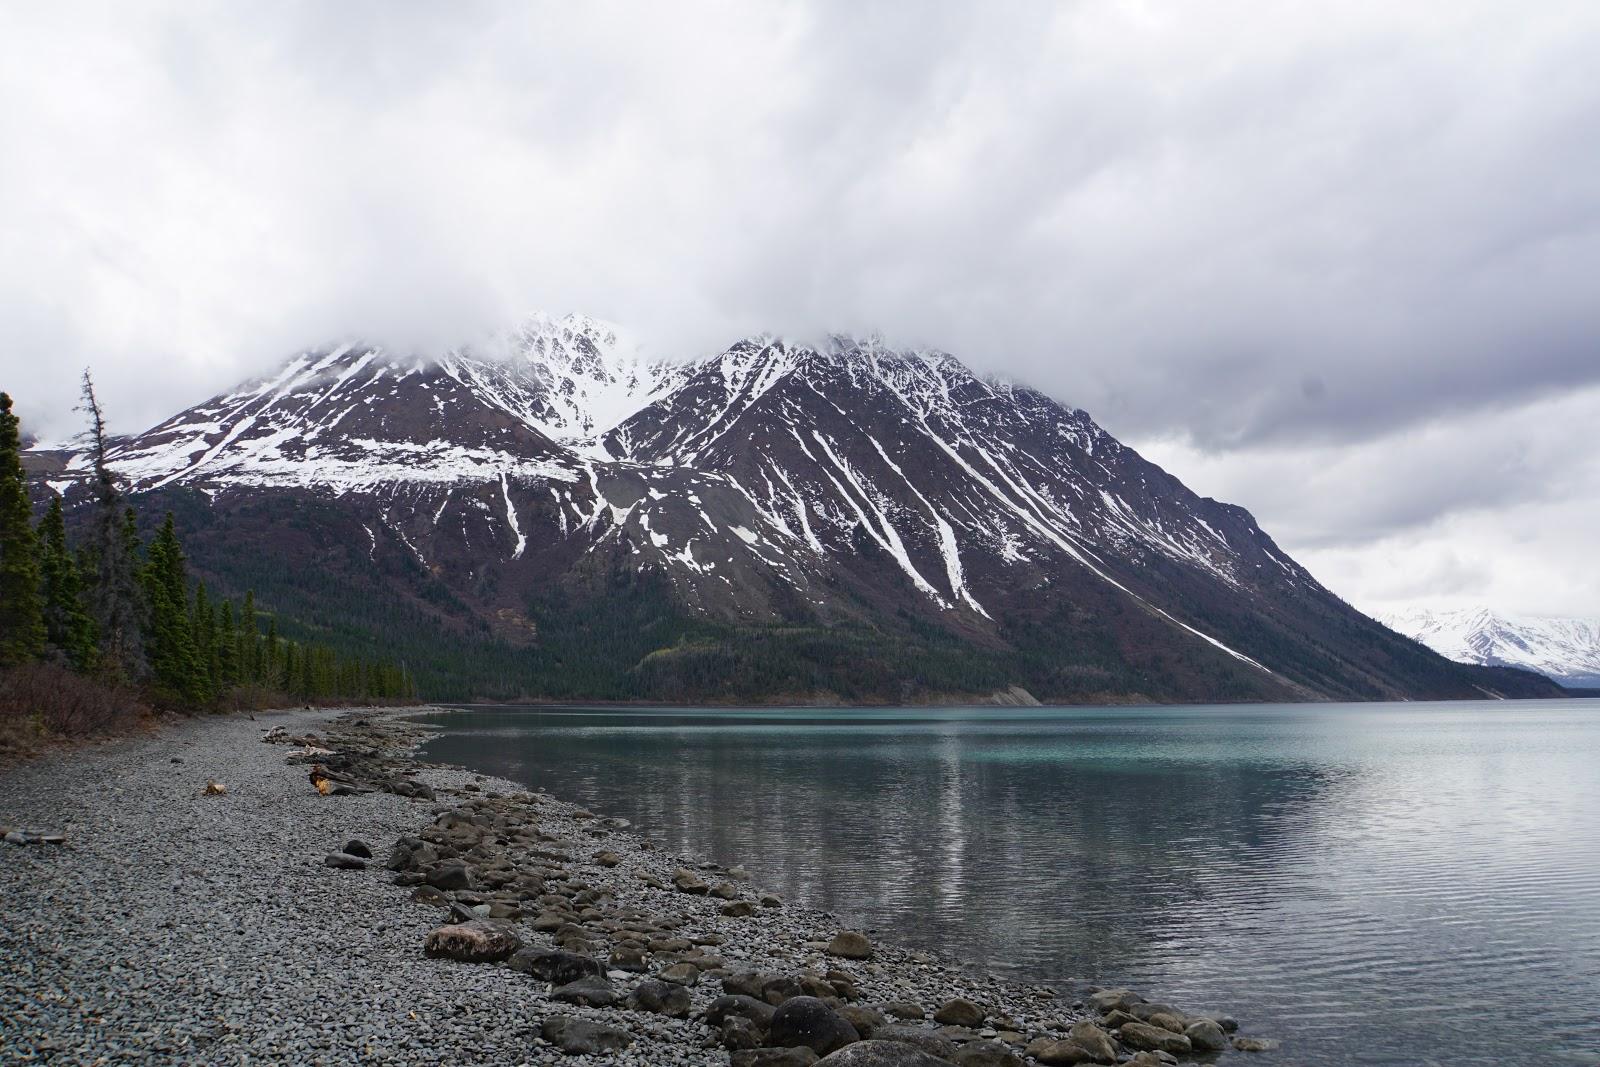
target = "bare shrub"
x: 46, y: 700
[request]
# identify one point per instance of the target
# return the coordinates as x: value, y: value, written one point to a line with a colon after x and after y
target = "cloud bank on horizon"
x: 1333, y: 262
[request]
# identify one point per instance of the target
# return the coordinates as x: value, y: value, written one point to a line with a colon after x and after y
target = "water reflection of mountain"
x: 1342, y: 876
x: 1046, y: 851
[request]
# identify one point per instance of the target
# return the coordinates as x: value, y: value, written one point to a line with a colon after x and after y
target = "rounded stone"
x: 986, y: 1054
x: 685, y: 974
x: 808, y: 1021
x: 479, y: 941
x: 1155, y: 1038
x: 740, y: 1006
x: 556, y: 966
x: 918, y: 1037
x: 850, y: 945
x: 1093, y: 1040
x: 590, y: 991
x: 959, y: 1012
x: 344, y: 862
x: 1054, y: 1052
x: 1206, y: 1036
x: 581, y: 1037
x: 881, y: 1054
x: 660, y: 998
x: 864, y: 1019
x: 773, y: 1057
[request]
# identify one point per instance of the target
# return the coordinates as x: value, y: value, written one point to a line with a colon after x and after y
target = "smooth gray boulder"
x: 581, y: 1037
x: 590, y: 991
x: 773, y: 1057
x: 959, y: 1012
x: 808, y: 1021
x: 918, y: 1037
x: 556, y: 966
x: 881, y: 1054
x: 850, y: 945
x: 660, y: 998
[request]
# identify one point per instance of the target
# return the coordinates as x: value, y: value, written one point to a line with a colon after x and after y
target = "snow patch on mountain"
x: 1566, y: 649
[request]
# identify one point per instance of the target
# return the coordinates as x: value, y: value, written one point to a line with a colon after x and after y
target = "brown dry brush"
x: 46, y: 701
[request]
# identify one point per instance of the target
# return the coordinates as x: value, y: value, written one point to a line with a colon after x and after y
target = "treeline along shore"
x: 298, y: 887
x: 98, y: 635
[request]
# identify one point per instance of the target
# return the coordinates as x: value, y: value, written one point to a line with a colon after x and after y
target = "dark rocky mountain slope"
x: 776, y: 522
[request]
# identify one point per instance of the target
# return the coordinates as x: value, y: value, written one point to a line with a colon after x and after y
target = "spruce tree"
x: 22, y: 630
x: 287, y: 677
x: 173, y: 661
x: 114, y: 598
x: 270, y: 675
x: 68, y: 626
x: 227, y: 649
x: 203, y: 628
x: 249, y: 640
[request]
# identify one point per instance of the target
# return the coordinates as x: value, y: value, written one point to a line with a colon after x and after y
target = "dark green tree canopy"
x: 70, y: 631
x: 22, y: 629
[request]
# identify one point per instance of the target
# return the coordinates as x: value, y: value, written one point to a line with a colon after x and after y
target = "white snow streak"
x: 511, y: 518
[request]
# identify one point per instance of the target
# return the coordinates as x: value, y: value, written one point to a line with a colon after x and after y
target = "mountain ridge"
x: 775, y: 508
x: 1566, y: 649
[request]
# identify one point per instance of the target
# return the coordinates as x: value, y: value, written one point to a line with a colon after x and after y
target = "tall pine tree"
x: 22, y: 632
x: 203, y: 627
x: 249, y: 640
x: 270, y: 675
x: 114, y: 600
x: 69, y: 629
x: 227, y: 649
x: 174, y: 663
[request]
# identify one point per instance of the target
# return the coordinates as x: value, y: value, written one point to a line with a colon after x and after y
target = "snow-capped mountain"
x: 755, y: 508
x: 1567, y: 650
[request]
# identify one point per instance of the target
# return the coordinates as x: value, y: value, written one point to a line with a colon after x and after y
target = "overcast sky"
x: 1336, y: 262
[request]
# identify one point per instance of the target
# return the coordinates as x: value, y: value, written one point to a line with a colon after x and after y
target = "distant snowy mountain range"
x: 1567, y: 650
x: 842, y: 521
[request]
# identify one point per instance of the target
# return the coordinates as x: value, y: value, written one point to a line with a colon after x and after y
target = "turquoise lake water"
x: 1376, y: 884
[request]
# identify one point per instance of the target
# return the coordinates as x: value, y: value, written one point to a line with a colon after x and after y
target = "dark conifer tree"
x: 287, y: 676
x: 271, y: 677
x: 203, y: 628
x: 249, y: 640
x: 227, y: 649
x: 22, y: 629
x: 114, y: 598
x: 67, y: 624
x: 173, y: 660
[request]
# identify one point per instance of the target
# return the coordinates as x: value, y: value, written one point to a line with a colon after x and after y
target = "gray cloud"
x: 1258, y: 229
x: 1498, y: 508
x: 1317, y: 494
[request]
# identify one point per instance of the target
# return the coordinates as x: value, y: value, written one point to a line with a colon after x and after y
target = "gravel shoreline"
x: 175, y: 926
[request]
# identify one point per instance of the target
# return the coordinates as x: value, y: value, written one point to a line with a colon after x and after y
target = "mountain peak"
x: 1566, y: 649
x: 888, y: 490
x: 541, y: 332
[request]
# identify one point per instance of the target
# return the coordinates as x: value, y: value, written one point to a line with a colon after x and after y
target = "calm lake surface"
x: 1376, y: 884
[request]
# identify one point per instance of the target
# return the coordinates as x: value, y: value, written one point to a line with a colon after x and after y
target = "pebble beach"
x: 298, y: 887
